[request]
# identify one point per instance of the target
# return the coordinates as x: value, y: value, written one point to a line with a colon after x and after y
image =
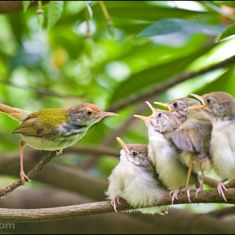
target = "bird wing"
x: 193, y: 136
x: 183, y: 140
x: 187, y: 136
x: 35, y: 127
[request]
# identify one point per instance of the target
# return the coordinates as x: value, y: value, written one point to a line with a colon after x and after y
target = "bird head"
x: 87, y: 114
x: 161, y: 120
x: 217, y: 104
x: 135, y: 153
x: 179, y: 107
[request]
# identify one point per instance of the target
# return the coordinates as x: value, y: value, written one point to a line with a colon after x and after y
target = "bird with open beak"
x: 134, y: 179
x: 163, y: 154
x: 192, y: 137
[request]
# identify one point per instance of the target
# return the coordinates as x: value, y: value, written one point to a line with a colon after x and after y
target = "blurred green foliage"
x: 78, y: 55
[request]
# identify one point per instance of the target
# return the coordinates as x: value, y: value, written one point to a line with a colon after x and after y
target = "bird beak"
x: 107, y: 114
x: 150, y: 106
x: 164, y: 105
x: 144, y: 118
x: 123, y: 145
x: 198, y: 97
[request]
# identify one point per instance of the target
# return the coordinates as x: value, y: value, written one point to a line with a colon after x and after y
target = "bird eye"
x: 88, y: 112
x: 159, y: 114
x: 208, y: 100
x: 175, y: 104
x: 134, y: 153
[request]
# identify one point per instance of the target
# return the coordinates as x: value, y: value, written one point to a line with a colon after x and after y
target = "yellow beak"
x: 164, y: 105
x: 123, y: 145
x: 198, y: 97
x: 150, y: 106
x: 144, y: 118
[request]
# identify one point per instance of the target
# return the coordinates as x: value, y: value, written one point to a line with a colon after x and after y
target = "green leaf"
x: 25, y: 5
x: 55, y: 10
x: 174, y: 25
x: 154, y: 75
x: 144, y: 10
x: 227, y: 32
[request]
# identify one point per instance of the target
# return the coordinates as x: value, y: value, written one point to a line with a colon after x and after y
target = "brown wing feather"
x: 193, y: 136
x: 183, y: 140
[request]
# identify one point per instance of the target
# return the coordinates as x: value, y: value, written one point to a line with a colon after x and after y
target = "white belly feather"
x: 50, y: 144
x: 222, y: 149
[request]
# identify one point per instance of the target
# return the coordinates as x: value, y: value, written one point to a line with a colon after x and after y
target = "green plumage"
x: 43, y: 123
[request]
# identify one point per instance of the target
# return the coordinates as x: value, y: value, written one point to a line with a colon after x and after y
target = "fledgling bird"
x: 163, y: 153
x: 192, y: 137
x: 179, y: 107
x: 134, y: 179
x: 220, y: 107
x: 53, y: 129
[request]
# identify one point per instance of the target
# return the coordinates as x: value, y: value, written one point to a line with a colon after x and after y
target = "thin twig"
x: 39, y: 90
x: 106, y: 13
x: 30, y: 174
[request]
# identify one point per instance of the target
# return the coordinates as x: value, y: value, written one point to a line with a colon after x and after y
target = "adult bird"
x: 53, y: 129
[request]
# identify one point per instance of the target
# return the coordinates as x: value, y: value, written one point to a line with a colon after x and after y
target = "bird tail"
x: 14, y: 113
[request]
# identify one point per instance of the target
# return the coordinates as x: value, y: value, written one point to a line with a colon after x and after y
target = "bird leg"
x: 221, y: 188
x: 187, y: 189
x: 202, y: 166
x: 23, y: 176
x: 115, y: 201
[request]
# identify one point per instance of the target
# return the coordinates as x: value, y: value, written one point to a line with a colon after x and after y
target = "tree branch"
x: 12, y: 6
x: 39, y: 90
x: 68, y: 212
x: 55, y: 174
x: 31, y: 174
x: 221, y: 213
x: 169, y: 83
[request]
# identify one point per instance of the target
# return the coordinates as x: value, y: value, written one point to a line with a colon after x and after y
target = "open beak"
x: 150, y: 106
x: 198, y: 97
x: 164, y: 105
x: 144, y: 118
x: 123, y: 145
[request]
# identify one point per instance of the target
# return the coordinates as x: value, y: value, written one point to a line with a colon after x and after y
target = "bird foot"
x: 24, y: 178
x: 200, y: 189
x: 221, y: 188
x: 188, y: 194
x: 114, y: 202
x: 173, y: 194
